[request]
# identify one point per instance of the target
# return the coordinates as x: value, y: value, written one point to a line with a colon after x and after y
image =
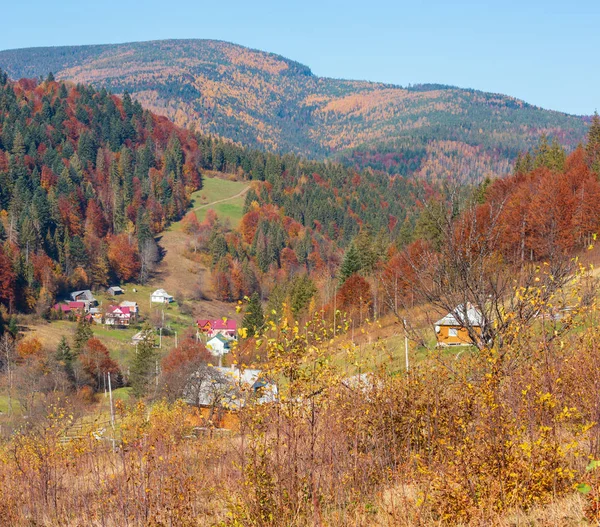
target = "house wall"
x: 216, y: 348
x: 462, y: 337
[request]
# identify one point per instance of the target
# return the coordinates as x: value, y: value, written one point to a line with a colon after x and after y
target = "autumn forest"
x: 229, y: 289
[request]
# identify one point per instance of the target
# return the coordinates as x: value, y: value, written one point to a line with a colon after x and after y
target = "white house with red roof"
x: 225, y: 327
x: 117, y: 316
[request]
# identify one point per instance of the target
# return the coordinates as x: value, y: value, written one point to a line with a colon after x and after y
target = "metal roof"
x: 471, y: 316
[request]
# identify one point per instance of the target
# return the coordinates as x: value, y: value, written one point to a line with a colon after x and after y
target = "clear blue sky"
x: 545, y: 52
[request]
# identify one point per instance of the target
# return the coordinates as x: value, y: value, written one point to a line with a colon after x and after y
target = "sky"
x: 544, y: 52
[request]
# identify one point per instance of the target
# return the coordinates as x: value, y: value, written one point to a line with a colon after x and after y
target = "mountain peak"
x: 265, y: 100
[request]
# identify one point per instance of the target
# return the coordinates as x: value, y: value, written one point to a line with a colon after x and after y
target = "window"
x: 453, y: 332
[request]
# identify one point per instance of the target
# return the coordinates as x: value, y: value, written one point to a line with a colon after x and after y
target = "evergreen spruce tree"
x: 13, y: 327
x: 351, y: 263
x: 83, y: 333
x: 143, y: 369
x: 65, y: 357
x: 254, y: 318
x: 593, y: 145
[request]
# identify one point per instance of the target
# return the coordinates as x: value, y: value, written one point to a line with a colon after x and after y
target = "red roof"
x: 218, y: 324
x: 123, y: 310
x: 71, y: 306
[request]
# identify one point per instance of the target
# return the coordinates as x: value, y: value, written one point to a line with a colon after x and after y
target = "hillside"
x: 264, y: 100
x: 86, y: 181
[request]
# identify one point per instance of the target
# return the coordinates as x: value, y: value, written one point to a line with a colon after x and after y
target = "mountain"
x: 264, y: 100
x: 86, y: 179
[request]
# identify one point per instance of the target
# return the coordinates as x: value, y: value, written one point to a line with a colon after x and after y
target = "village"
x: 216, y: 385
x: 223, y: 384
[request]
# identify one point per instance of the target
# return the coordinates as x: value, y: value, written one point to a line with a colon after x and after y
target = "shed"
x: 115, y: 290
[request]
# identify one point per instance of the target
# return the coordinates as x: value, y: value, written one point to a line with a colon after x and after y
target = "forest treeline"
x: 265, y: 101
x: 88, y: 179
x: 365, y: 262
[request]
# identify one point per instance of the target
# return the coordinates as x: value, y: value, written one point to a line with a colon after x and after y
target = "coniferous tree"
x: 351, y: 263
x: 593, y: 145
x: 64, y: 357
x: 143, y: 368
x: 254, y: 318
x: 83, y: 333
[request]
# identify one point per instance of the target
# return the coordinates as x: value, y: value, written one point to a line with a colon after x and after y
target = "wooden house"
x: 225, y: 327
x: 117, y: 316
x: 451, y: 330
x: 133, y: 307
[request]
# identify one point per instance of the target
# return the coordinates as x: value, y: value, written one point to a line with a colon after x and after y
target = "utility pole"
x: 175, y: 338
x: 160, y: 338
x: 406, y: 345
x: 112, y: 410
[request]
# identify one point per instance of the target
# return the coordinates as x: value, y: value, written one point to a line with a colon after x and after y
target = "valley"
x: 235, y: 293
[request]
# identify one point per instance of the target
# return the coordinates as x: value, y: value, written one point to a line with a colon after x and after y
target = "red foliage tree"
x: 123, y: 257
x: 7, y: 281
x: 354, y: 297
x: 95, y: 360
x: 189, y: 352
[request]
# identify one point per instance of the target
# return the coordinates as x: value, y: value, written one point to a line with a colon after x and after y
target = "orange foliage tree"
x: 123, y: 257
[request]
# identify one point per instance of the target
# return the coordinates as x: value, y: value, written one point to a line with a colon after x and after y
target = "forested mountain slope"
x: 87, y: 179
x: 264, y: 100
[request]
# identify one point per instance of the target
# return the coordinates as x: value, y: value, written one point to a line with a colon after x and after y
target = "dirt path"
x: 179, y: 275
x: 239, y: 194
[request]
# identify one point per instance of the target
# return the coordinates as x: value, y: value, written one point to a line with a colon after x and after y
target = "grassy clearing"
x: 217, y: 189
x: 4, y: 406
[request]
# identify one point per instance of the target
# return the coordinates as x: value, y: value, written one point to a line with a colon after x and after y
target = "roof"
x: 160, y: 292
x: 61, y: 307
x: 220, y: 338
x: 141, y: 335
x: 471, y: 316
x: 86, y: 294
x: 219, y: 324
x: 118, y: 309
x: 115, y: 288
x: 76, y: 305
x: 129, y: 304
x: 231, y: 384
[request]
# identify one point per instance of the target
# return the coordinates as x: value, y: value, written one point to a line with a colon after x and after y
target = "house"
x: 160, y: 296
x: 451, y: 331
x: 117, y: 316
x: 228, y: 388
x: 218, y: 345
x: 84, y: 296
x: 115, y: 290
x: 133, y: 307
x: 225, y: 327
